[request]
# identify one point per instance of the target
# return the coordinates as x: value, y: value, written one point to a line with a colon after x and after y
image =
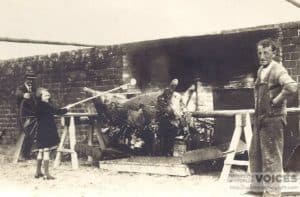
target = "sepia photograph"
x: 150, y: 98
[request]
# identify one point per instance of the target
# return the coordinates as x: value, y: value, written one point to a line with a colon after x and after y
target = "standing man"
x: 272, y: 87
x: 26, y: 108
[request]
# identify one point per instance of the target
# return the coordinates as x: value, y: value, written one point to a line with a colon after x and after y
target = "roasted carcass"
x: 146, y: 124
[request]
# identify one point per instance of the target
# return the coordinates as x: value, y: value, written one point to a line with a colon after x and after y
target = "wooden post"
x: 18, y: 147
x: 72, y: 138
x: 248, y: 133
x: 61, y: 143
x: 90, y: 139
x: 198, y: 86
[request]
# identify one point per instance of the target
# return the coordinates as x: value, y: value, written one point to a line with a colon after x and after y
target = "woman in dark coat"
x: 47, y: 136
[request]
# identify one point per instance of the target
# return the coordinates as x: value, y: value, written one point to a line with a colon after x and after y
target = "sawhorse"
x: 242, y: 124
x: 70, y: 129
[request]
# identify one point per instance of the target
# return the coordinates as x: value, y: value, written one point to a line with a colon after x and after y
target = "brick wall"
x: 291, y: 49
x: 290, y: 40
x: 64, y: 74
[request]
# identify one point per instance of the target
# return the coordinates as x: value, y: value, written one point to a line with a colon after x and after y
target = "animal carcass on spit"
x: 145, y: 124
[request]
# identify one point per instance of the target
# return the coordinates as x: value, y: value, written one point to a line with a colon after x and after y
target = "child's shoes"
x: 38, y: 175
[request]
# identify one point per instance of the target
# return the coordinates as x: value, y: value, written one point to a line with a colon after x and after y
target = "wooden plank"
x: 197, y: 114
x: 151, y: 160
x: 239, y: 162
x: 221, y: 113
x: 179, y: 170
x: 18, y: 147
x: 149, y: 165
x: 64, y: 150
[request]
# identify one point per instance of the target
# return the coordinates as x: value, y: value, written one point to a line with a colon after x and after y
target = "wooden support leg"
x: 232, y: 148
x: 248, y: 132
x: 61, y: 143
x: 72, y: 134
x: 18, y: 147
x: 90, y: 138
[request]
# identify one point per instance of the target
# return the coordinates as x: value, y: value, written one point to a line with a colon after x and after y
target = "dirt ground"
x: 17, y: 180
